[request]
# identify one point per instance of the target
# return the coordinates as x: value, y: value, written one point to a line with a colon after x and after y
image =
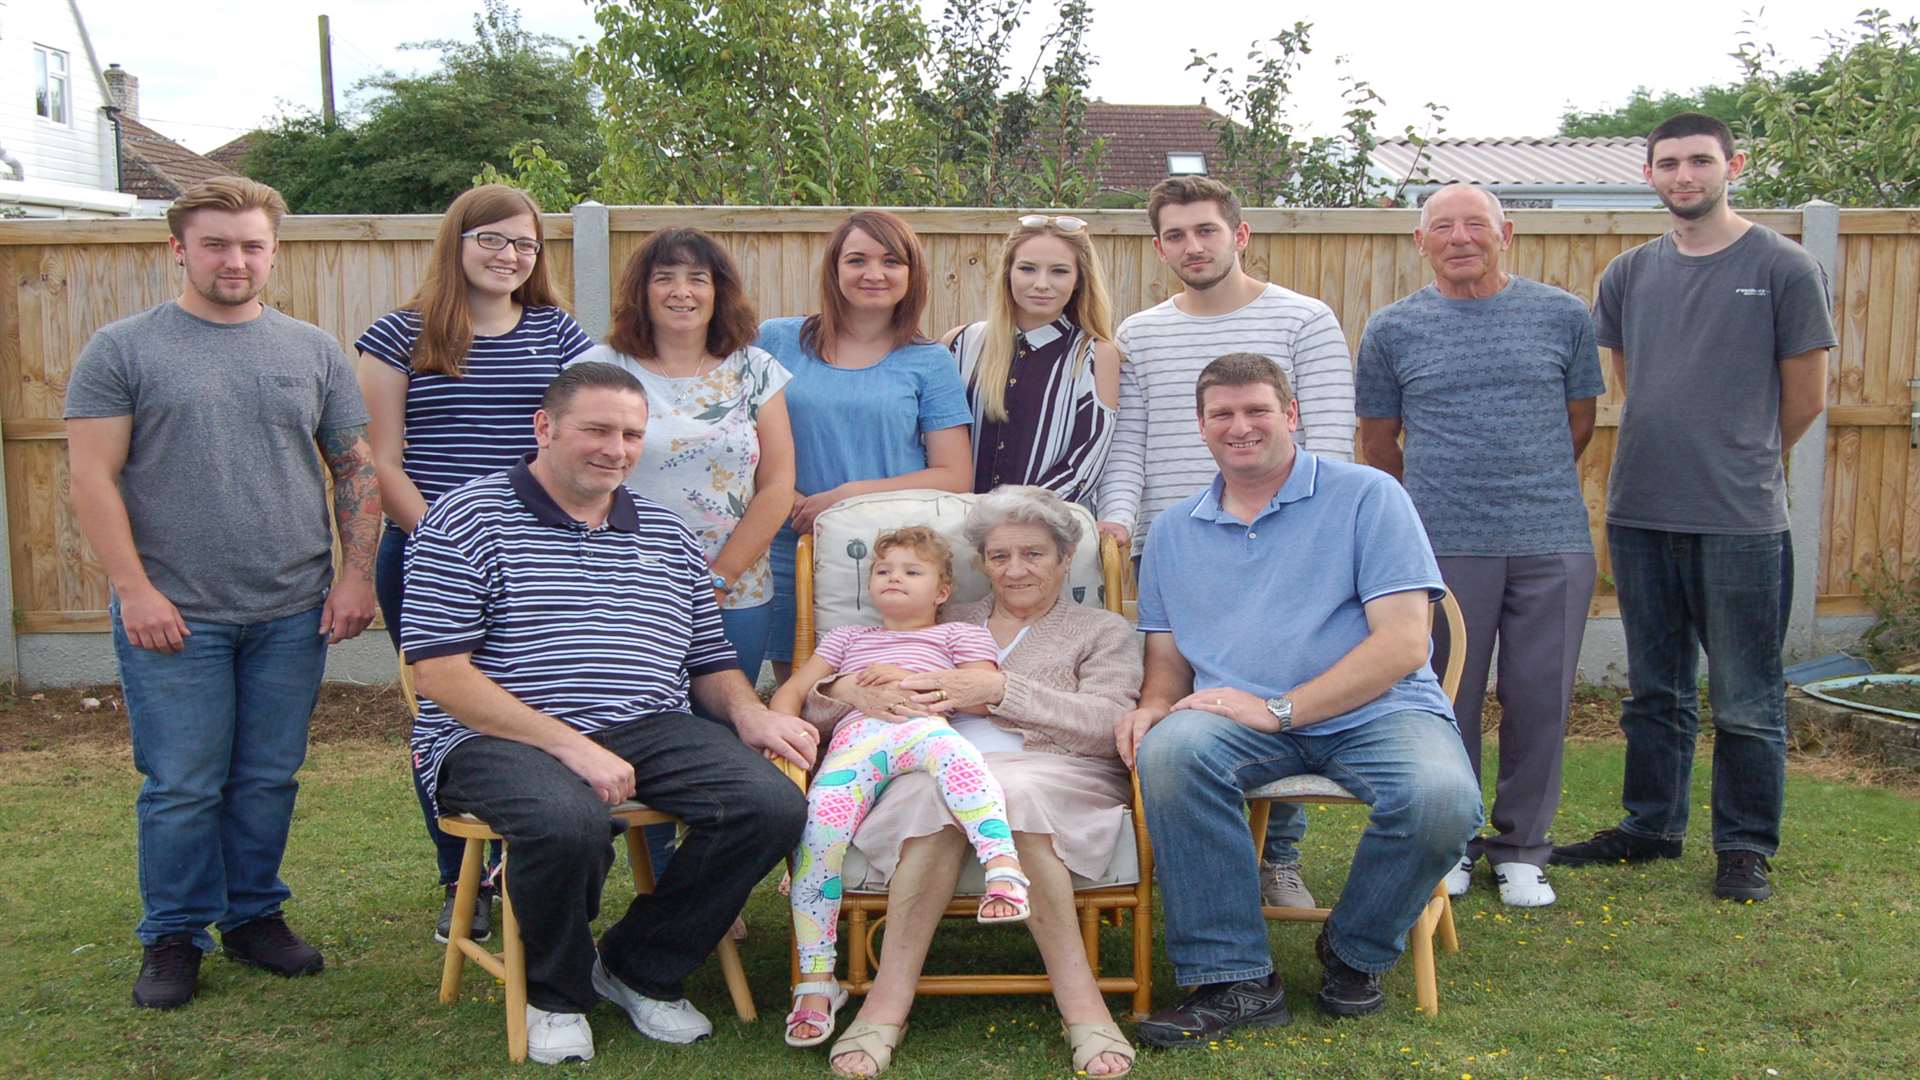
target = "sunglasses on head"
x: 1063, y: 222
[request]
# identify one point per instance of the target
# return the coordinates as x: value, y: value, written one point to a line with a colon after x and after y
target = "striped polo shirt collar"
x: 1300, y: 484
x: 623, y: 517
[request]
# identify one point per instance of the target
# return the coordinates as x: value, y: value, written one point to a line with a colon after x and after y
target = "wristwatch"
x: 1282, y: 709
x: 720, y: 582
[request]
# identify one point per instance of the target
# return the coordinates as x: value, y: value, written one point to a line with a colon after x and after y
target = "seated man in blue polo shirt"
x: 556, y: 624
x: 1286, y: 613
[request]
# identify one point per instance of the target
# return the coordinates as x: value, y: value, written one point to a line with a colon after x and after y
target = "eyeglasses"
x: 1063, y: 222
x: 493, y: 241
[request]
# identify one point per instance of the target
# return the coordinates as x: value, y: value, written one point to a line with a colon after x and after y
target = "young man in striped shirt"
x: 1199, y: 234
x: 556, y: 624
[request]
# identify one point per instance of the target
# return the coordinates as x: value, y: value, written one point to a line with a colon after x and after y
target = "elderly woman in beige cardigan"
x: 1045, y: 721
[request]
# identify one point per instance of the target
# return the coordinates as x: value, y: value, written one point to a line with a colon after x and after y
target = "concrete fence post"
x: 1807, y: 462
x: 9, y: 637
x: 592, y: 269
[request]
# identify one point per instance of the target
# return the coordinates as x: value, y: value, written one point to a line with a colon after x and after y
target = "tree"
x: 759, y: 101
x: 998, y: 146
x: 1852, y: 136
x: 418, y: 141
x: 1643, y: 111
x: 1266, y: 156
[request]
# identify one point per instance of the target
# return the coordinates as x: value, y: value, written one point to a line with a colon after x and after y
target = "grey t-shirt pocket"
x: 289, y: 400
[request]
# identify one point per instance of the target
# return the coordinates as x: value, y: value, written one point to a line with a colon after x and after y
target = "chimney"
x: 125, y: 89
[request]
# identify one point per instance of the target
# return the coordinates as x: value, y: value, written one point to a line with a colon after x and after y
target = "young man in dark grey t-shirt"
x: 1719, y: 331
x: 191, y: 432
x: 1493, y: 378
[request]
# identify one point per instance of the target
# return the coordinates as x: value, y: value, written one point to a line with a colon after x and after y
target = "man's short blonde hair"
x: 230, y: 193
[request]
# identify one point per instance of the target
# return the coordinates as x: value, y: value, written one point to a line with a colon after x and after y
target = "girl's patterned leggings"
x: 864, y: 755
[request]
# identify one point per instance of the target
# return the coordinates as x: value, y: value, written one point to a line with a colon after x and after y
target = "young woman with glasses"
x: 451, y: 382
x: 1041, y: 370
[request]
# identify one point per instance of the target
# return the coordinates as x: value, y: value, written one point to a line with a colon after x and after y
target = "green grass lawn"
x: 1636, y: 973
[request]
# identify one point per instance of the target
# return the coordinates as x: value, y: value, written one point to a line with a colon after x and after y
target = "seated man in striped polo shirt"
x: 557, y: 624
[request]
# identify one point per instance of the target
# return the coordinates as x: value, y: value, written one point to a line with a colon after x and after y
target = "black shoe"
x: 1215, y: 1009
x: 169, y: 973
x: 1742, y: 876
x: 267, y: 942
x: 482, y: 916
x: 1614, y: 846
x: 1345, y: 991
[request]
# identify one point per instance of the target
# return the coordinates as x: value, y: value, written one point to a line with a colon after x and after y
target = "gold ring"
x: 1218, y: 703
x: 942, y: 695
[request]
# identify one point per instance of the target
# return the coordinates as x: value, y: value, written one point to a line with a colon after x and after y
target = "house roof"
x: 230, y: 154
x: 1526, y: 161
x: 153, y: 166
x: 1139, y: 138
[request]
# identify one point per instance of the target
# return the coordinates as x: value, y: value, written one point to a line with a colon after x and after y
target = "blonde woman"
x: 1041, y: 371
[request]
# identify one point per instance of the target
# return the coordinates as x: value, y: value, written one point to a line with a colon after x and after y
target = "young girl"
x: 451, y: 382
x: 912, y: 576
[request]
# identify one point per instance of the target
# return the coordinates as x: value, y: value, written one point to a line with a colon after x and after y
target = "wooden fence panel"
x: 1871, y: 501
x: 59, y: 282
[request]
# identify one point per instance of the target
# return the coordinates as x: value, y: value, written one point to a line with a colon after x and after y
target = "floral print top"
x: 702, y: 448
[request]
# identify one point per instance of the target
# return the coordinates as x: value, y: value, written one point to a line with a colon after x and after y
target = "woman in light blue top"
x: 875, y: 405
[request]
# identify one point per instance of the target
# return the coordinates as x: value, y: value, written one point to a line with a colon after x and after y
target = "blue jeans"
x: 747, y: 630
x: 1729, y: 595
x: 1410, y: 767
x: 218, y: 729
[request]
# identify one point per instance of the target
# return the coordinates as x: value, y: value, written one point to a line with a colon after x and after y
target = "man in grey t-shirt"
x: 192, y: 431
x: 1719, y: 331
x: 1493, y: 378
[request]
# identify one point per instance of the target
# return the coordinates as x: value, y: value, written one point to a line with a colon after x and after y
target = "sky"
x: 214, y: 69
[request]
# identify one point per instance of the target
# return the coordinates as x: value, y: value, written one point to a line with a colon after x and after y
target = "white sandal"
x: 1011, y: 890
x: 823, y: 1023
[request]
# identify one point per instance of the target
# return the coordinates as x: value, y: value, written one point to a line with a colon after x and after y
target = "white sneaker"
x: 674, y: 1021
x: 1460, y: 878
x: 555, y: 1037
x: 1523, y: 885
x: 1280, y: 886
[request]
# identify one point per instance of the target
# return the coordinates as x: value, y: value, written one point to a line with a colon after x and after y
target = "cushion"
x: 1123, y: 870
x: 1305, y: 784
x: 843, y: 553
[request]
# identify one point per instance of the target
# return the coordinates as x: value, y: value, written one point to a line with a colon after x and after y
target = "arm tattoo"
x: 356, y: 495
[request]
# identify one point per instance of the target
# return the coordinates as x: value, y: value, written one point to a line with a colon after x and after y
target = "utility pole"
x: 326, y: 73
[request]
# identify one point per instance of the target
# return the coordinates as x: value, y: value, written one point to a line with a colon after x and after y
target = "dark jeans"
x: 1728, y: 595
x: 389, y: 589
x: 742, y: 817
x: 219, y: 729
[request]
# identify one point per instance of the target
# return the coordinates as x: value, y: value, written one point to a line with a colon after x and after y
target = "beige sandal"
x: 877, y: 1041
x: 1089, y: 1041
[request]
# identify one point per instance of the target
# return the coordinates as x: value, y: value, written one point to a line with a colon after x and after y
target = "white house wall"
x: 79, y: 151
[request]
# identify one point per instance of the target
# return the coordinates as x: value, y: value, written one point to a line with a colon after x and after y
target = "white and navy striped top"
x: 482, y: 422
x: 593, y: 627
x: 1057, y: 431
x: 1166, y: 349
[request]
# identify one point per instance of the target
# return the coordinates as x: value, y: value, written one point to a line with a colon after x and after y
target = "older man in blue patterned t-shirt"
x: 1493, y: 379
x: 557, y: 624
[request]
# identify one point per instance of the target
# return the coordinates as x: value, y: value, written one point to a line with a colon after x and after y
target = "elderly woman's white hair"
x: 1023, y: 504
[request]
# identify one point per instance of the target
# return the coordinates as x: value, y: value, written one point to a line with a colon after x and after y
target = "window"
x: 1183, y: 164
x: 51, y: 82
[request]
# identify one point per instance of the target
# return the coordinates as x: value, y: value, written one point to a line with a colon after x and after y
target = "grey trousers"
x: 1536, y: 607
